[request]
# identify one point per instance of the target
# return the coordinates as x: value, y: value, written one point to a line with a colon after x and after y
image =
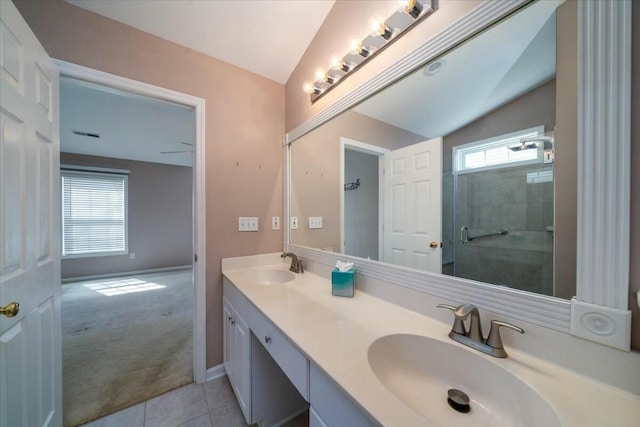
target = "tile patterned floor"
x: 212, y: 404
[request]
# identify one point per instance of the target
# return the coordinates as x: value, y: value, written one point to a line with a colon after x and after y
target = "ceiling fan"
x: 180, y: 151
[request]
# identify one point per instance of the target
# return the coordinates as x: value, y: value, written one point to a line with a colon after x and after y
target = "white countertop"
x: 335, y: 333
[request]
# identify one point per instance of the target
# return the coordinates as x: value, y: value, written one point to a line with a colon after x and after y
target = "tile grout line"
x: 206, y: 400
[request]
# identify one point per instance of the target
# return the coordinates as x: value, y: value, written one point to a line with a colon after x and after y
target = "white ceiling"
x: 267, y: 37
x: 482, y: 74
x: 130, y: 126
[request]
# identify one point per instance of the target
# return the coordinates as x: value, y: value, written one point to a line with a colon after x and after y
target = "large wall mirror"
x: 477, y: 173
x: 451, y: 169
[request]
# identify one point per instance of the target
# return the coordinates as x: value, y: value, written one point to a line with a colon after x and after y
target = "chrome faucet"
x: 474, y: 338
x: 296, y: 264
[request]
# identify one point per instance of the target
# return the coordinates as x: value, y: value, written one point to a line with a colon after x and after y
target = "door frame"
x: 374, y: 150
x: 79, y: 72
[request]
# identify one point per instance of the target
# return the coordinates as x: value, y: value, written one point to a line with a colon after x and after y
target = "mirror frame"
x: 599, y: 312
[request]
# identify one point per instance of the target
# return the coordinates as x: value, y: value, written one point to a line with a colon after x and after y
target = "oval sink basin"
x: 419, y: 371
x: 269, y: 277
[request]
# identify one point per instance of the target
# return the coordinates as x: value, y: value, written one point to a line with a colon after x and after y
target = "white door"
x: 413, y: 206
x: 30, y: 357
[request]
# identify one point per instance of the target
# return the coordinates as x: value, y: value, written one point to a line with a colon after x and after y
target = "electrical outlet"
x: 247, y: 223
x: 275, y: 223
x: 132, y: 255
x: 294, y: 222
x: 315, y: 222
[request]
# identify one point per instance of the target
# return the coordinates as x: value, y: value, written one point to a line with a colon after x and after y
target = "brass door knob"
x: 433, y: 245
x: 10, y: 310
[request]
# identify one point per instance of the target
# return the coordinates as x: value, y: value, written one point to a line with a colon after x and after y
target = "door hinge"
x: 195, y: 257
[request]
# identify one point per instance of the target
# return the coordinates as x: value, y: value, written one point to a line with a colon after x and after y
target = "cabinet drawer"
x: 288, y: 358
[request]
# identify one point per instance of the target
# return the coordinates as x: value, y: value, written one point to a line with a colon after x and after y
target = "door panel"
x: 413, y: 206
x: 30, y: 359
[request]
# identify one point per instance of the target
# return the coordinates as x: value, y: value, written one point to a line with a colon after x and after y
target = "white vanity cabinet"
x: 237, y: 352
x: 289, y: 359
x: 330, y: 406
x: 269, y: 376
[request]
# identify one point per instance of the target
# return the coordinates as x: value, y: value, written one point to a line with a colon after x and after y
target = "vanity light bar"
x: 384, y: 32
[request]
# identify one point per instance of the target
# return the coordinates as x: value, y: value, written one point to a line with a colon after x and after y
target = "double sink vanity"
x: 290, y: 345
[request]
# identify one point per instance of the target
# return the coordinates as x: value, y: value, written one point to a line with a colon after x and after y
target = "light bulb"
x: 355, y: 45
x: 380, y: 28
x: 309, y: 88
x: 358, y: 48
x: 339, y: 64
x: 375, y: 23
x: 320, y: 74
x: 413, y: 8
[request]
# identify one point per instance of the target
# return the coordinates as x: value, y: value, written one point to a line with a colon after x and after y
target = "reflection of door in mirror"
x: 412, y: 206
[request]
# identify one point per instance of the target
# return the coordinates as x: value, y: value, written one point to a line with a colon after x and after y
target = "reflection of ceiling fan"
x: 180, y: 151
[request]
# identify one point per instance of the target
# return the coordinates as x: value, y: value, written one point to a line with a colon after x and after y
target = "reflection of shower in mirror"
x: 535, y: 142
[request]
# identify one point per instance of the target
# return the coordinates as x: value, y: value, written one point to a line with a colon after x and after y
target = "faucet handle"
x: 458, y: 323
x: 494, y: 340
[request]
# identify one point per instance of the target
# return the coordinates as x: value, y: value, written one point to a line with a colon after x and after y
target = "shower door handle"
x: 464, y: 235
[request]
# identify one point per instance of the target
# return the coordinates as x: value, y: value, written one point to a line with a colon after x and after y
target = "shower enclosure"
x: 503, y: 222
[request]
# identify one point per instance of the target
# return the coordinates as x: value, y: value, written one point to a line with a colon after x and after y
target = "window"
x: 494, y: 153
x: 94, y: 214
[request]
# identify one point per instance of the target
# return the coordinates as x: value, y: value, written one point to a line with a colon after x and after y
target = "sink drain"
x: 458, y: 400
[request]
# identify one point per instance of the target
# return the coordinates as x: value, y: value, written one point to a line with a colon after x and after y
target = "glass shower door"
x: 504, y: 224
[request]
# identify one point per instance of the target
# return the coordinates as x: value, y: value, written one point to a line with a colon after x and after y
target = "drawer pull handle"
x: 233, y: 322
x: 230, y: 318
x: 267, y: 339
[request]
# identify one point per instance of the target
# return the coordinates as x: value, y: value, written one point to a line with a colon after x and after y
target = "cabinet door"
x: 242, y: 365
x: 228, y: 333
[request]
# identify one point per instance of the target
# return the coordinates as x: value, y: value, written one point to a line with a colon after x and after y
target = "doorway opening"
x: 362, y: 201
x: 151, y: 339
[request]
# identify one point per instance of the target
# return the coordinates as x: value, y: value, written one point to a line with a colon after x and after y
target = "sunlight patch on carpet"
x: 125, y: 286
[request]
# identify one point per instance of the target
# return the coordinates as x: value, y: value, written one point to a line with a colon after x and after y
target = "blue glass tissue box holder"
x: 343, y: 283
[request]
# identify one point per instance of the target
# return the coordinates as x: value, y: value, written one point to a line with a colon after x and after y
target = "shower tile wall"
x: 489, y: 201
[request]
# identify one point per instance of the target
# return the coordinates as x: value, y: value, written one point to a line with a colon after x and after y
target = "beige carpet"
x: 124, y: 348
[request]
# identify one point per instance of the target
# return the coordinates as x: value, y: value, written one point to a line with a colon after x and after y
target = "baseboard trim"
x: 125, y: 273
x: 216, y: 372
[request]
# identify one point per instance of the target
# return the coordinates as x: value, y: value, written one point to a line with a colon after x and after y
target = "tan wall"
x: 244, y: 127
x: 315, y: 172
x: 635, y: 177
x: 349, y: 19
x: 159, y: 215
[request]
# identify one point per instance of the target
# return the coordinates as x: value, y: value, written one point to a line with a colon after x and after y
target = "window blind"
x: 94, y: 213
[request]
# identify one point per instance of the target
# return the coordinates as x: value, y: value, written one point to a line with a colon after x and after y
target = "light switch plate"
x: 315, y: 222
x: 275, y: 223
x: 248, y: 223
x: 294, y: 222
